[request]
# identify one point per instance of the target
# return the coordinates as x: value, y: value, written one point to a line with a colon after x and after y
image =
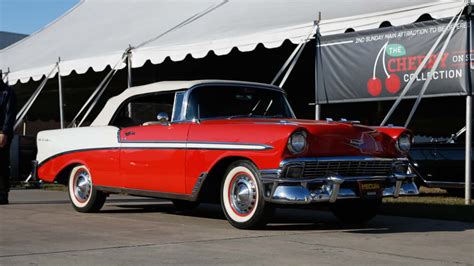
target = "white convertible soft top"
x: 113, y: 103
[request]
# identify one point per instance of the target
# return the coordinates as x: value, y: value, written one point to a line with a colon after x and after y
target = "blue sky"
x: 28, y: 16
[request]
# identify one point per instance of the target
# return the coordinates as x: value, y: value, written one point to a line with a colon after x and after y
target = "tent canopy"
x: 96, y: 33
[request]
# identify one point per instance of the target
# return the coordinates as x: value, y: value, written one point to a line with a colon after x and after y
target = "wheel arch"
x: 63, y: 175
x: 210, y: 189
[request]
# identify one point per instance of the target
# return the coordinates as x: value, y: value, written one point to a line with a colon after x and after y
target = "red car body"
x: 174, y: 160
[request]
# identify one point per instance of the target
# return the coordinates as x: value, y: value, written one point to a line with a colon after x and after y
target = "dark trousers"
x: 5, y: 167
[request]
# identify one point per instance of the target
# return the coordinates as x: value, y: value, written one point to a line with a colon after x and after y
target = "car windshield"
x: 236, y: 102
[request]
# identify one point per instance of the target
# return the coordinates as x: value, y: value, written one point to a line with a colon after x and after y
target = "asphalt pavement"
x: 41, y: 227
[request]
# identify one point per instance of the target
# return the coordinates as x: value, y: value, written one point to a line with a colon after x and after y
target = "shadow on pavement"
x: 288, y: 219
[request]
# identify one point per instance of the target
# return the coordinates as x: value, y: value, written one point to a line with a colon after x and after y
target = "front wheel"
x: 356, y: 211
x: 242, y: 196
x: 84, y: 197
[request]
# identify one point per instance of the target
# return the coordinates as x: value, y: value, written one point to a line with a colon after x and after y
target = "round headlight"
x: 297, y: 142
x: 404, y: 143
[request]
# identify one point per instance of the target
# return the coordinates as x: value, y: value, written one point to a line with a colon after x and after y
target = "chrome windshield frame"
x: 185, y: 105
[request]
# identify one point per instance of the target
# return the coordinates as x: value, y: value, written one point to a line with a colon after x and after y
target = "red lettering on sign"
x: 411, y: 63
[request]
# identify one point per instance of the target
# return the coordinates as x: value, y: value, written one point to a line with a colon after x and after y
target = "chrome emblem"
x: 356, y: 142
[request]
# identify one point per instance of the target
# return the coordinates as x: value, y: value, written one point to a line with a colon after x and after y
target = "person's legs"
x: 4, y: 173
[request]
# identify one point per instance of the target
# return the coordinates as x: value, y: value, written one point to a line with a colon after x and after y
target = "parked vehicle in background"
x: 229, y: 142
x: 440, y: 163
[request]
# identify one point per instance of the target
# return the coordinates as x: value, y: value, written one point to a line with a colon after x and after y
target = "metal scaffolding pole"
x: 129, y: 67
x: 468, y: 151
x: 317, y: 106
x: 468, y: 166
x: 60, y: 92
x: 5, y: 76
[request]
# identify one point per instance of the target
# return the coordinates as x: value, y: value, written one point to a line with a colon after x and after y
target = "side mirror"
x: 163, y: 118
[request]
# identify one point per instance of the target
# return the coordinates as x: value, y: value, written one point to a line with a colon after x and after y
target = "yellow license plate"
x: 370, y: 186
x: 370, y: 189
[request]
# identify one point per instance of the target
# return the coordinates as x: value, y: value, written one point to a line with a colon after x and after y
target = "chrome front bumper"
x: 330, y: 188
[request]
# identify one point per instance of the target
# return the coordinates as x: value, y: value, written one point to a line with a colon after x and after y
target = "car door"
x: 152, y: 153
x: 152, y: 158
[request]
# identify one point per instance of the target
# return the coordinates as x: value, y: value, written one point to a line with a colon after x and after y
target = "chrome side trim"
x: 194, y: 145
x: 157, y: 194
x: 145, y: 193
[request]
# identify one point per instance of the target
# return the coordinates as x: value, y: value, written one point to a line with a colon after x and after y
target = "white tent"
x: 95, y: 33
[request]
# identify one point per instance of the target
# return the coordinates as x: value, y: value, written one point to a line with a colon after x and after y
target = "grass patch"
x: 431, y: 203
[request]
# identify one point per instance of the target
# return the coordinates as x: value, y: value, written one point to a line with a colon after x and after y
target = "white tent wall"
x: 95, y: 33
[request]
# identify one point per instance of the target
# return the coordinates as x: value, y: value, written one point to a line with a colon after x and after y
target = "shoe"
x: 3, y: 198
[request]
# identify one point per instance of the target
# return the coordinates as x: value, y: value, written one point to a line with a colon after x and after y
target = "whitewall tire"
x: 242, y: 196
x: 84, y: 197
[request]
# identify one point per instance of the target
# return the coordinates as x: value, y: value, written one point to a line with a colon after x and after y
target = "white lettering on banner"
x: 463, y: 58
x: 441, y: 74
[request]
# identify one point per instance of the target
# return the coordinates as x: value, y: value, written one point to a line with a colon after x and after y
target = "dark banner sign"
x: 377, y: 64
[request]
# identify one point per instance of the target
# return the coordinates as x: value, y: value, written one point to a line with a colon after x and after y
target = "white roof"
x: 113, y: 103
x: 95, y: 33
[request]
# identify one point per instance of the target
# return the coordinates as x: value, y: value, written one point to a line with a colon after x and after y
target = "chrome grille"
x: 314, y: 169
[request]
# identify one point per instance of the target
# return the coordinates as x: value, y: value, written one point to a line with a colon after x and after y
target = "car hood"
x: 333, y: 138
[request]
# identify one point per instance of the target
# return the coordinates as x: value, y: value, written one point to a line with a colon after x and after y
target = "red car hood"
x: 335, y: 138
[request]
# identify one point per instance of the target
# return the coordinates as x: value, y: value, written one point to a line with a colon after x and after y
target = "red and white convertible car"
x: 237, y: 143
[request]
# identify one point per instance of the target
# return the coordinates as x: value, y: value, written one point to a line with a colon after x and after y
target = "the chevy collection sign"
x: 377, y: 64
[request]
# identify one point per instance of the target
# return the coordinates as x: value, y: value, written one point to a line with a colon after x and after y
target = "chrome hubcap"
x: 82, y: 186
x: 243, y: 194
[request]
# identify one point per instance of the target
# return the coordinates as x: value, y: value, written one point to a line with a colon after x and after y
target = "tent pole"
x: 468, y: 140
x: 467, y: 199
x: 129, y: 67
x: 318, y: 111
x: 317, y: 106
x: 5, y: 76
x: 60, y: 92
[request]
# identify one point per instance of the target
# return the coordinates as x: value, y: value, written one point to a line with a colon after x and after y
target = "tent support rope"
x: 433, y: 69
x: 417, y: 72
x: 292, y: 60
x: 97, y: 90
x: 22, y: 113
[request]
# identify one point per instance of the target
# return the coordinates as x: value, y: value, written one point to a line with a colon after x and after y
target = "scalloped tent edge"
x: 80, y: 56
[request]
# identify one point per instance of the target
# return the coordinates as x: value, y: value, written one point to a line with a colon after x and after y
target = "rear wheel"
x: 84, y: 197
x: 242, y: 197
x: 356, y: 211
